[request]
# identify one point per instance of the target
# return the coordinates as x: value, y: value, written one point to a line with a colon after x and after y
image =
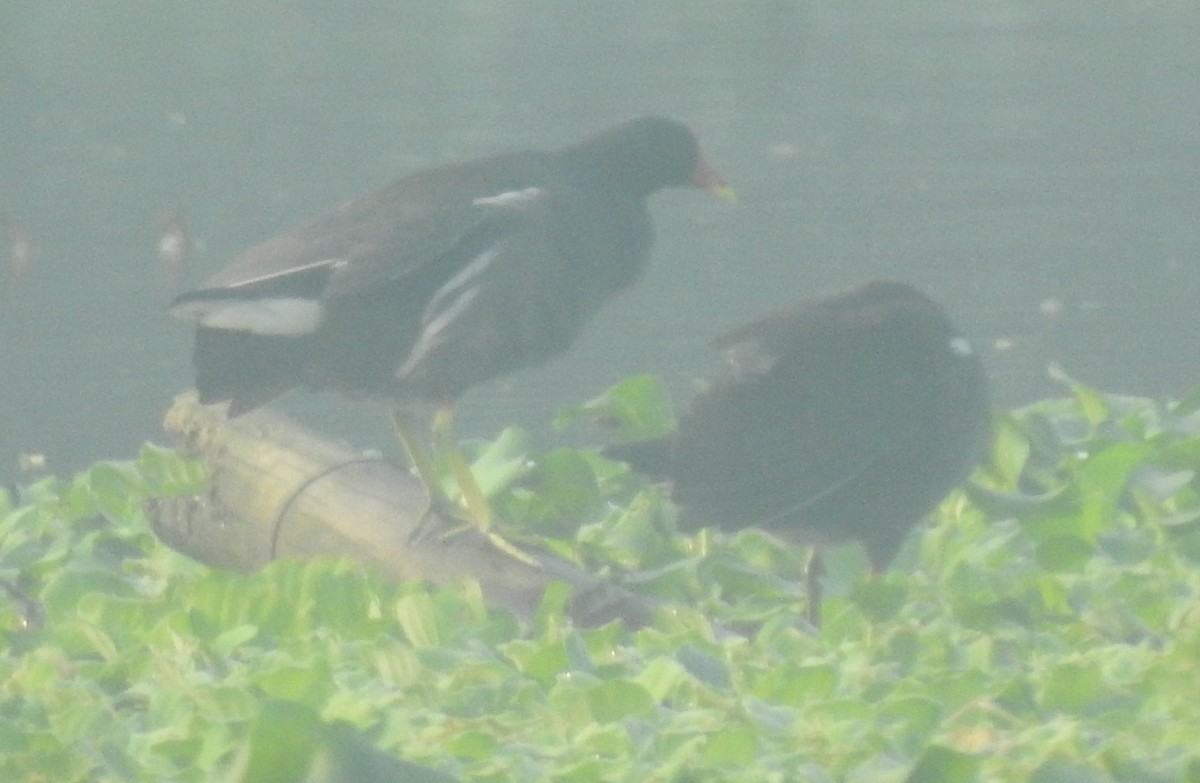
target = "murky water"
x: 1036, y: 167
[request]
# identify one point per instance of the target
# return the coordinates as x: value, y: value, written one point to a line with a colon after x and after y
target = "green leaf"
x: 1062, y: 771
x: 502, y: 461
x: 1091, y: 403
x: 1064, y: 553
x: 1050, y: 635
x: 940, y: 764
x: 1009, y: 454
x: 637, y: 408
x: 878, y: 599
x: 735, y: 746
x: 661, y: 676
x: 115, y: 488
x: 478, y: 745
x: 288, y: 743
x: 228, y: 641
x: 797, y: 684
x: 417, y: 618
x: 542, y: 660
x: 564, y: 488
x: 1072, y: 686
x: 1188, y: 403
x: 166, y: 472
x: 618, y: 700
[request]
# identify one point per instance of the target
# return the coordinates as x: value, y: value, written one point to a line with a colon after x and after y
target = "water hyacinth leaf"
x: 14, y: 738
x: 553, y: 607
x: 1102, y: 481
x: 542, y: 660
x: 617, y: 700
x: 637, y: 408
x: 1071, y: 686
x: 561, y: 486
x: 1187, y: 543
x: 1159, y: 485
x: 918, y: 714
x: 478, y: 745
x: 1062, y: 771
x: 1054, y: 428
x: 661, y: 676
x: 997, y: 505
x: 701, y: 664
x: 66, y: 588
x: 941, y: 764
x: 797, y: 684
x: 880, y: 600
x: 633, y: 537
x: 289, y: 743
x: 229, y: 640
x: 1009, y: 454
x: 115, y: 488
x: 1188, y: 403
x: 418, y: 619
x: 1179, y: 453
x: 733, y: 746
x: 845, y: 565
x: 219, y: 600
x: 284, y: 677
x: 167, y: 472
x: 1028, y: 643
x: 568, y: 699
x: 501, y: 461
x: 1091, y: 403
x: 1064, y: 553
x: 1129, y: 546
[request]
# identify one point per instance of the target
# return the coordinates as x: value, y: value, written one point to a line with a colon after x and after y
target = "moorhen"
x: 843, y: 418
x: 441, y: 280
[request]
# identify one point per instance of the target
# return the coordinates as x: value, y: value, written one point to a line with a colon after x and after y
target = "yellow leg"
x: 447, y: 446
x: 478, y: 511
x: 476, y: 503
x: 418, y: 455
x: 402, y: 420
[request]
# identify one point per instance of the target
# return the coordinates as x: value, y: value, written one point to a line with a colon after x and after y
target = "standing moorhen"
x: 844, y: 418
x: 441, y: 280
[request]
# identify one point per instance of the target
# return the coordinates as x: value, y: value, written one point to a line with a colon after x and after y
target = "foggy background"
x: 1033, y: 165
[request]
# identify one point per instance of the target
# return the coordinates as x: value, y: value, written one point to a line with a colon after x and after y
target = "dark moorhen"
x: 441, y: 280
x: 844, y: 418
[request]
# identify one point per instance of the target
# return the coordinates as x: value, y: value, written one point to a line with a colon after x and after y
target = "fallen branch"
x: 280, y: 491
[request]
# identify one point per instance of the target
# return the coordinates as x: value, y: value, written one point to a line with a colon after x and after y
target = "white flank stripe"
x: 464, y: 276
x: 431, y: 335
x: 283, y: 317
x: 509, y: 198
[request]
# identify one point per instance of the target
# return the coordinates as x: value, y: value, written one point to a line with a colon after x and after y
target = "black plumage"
x: 444, y: 278
x: 844, y: 418
x: 441, y: 280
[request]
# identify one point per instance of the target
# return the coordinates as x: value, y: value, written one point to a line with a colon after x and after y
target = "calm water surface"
x: 1036, y: 167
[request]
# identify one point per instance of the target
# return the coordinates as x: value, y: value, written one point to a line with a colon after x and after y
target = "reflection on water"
x: 1035, y: 167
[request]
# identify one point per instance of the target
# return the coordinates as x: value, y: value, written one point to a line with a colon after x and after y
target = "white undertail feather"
x: 276, y: 317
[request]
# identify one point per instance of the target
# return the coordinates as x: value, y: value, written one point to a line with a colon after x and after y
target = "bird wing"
x: 419, y: 226
x: 838, y: 403
x: 503, y: 303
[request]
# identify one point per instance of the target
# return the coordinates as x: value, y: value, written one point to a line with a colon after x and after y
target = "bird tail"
x: 246, y: 369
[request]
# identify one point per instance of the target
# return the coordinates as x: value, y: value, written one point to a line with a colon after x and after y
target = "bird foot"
x: 495, y: 539
x: 440, y: 508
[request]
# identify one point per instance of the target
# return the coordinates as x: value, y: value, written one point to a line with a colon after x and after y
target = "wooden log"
x: 280, y: 491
